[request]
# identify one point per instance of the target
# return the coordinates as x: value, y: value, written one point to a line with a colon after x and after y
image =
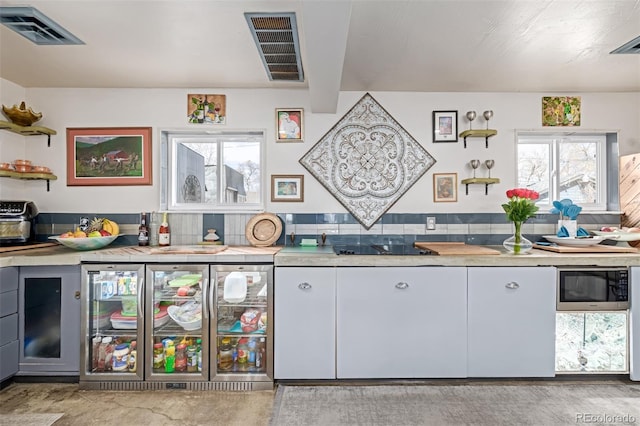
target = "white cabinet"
x: 634, y: 341
x: 404, y: 322
x: 304, y: 323
x: 511, y: 321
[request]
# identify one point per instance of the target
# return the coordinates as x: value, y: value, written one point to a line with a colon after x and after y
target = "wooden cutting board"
x: 598, y: 248
x: 453, y: 249
x: 26, y: 247
x: 188, y: 249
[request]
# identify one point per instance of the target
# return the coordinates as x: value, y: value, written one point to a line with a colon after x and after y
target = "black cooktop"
x: 379, y: 249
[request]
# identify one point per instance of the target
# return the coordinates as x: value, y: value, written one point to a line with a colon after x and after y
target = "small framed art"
x: 445, y: 126
x: 445, y: 187
x: 289, y: 124
x: 287, y: 188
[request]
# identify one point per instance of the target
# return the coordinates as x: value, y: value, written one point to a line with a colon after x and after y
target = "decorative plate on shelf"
x: 574, y: 242
x: 263, y: 229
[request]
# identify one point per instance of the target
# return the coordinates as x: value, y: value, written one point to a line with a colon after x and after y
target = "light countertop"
x: 308, y: 256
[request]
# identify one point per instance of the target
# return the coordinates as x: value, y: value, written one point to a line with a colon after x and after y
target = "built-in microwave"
x: 592, y: 289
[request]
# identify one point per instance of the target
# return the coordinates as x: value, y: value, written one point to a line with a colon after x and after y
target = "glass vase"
x: 517, y: 244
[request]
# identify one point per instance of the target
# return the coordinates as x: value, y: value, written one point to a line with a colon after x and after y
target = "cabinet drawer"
x: 8, y: 279
x: 9, y: 357
x: 8, y: 303
x: 8, y: 329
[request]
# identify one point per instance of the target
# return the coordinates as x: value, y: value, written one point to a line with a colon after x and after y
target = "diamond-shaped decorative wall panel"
x: 367, y: 161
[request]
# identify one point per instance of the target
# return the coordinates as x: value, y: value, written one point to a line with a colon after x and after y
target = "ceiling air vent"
x: 276, y: 37
x: 631, y: 47
x: 29, y: 22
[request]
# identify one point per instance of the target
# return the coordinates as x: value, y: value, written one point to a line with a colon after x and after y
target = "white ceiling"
x: 359, y: 45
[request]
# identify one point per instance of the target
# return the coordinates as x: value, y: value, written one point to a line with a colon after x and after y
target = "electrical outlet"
x: 431, y: 223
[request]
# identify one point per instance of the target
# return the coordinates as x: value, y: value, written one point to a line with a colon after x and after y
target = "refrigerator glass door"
x: 112, y: 323
x: 177, y: 323
x: 242, y: 345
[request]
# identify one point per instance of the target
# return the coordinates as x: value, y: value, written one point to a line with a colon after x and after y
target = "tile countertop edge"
x: 322, y: 257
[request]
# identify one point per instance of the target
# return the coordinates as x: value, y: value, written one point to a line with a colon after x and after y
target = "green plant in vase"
x: 519, y: 208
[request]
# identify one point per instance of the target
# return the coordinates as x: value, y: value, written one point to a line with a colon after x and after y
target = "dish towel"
x: 582, y: 232
x: 562, y: 232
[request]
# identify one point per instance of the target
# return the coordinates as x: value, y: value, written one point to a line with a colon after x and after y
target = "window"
x: 212, y: 170
x: 578, y: 167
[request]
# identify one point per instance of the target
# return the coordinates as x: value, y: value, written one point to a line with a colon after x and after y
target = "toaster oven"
x: 17, y: 225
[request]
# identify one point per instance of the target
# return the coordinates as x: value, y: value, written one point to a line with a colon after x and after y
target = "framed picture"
x: 445, y: 187
x: 289, y: 124
x: 207, y: 109
x: 561, y: 110
x: 287, y: 188
x: 108, y: 156
x: 445, y: 126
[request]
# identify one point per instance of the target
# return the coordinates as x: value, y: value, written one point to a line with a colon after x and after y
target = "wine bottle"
x: 164, y: 235
x: 143, y: 231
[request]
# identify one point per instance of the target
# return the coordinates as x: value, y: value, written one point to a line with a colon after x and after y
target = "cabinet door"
x: 634, y: 339
x: 401, y: 322
x: 304, y: 323
x: 512, y: 321
x: 49, y: 305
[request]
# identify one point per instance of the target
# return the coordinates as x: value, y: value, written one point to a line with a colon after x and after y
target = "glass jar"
x: 120, y: 357
x: 192, y: 359
x: 226, y: 354
x: 181, y: 358
x: 158, y: 356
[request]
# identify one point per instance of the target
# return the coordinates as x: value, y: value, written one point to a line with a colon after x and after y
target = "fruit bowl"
x: 88, y: 243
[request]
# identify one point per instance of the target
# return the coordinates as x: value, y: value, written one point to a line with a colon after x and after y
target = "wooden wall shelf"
x: 479, y: 181
x: 486, y: 134
x: 28, y: 130
x: 29, y: 176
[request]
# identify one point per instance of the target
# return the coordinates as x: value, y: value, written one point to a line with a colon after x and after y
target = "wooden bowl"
x: 22, y: 116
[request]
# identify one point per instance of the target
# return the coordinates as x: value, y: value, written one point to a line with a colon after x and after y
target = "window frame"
x: 171, y: 138
x: 607, y: 166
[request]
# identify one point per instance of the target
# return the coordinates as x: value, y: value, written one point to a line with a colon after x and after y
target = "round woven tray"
x: 263, y: 229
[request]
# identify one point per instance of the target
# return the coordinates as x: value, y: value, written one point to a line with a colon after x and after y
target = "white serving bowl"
x: 175, y: 313
x: 574, y: 242
x: 88, y: 243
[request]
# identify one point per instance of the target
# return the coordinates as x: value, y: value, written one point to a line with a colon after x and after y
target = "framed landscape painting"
x: 108, y: 156
x: 287, y: 188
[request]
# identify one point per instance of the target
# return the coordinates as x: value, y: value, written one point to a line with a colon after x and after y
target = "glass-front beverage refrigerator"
x: 177, y: 339
x: 177, y: 326
x: 243, y: 341
x: 112, y: 326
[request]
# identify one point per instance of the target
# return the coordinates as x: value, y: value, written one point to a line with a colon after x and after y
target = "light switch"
x: 431, y: 223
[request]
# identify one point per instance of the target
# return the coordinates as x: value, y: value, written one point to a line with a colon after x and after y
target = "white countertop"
x: 308, y: 256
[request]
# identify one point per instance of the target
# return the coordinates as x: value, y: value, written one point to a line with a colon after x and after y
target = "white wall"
x: 12, y: 145
x: 255, y: 109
